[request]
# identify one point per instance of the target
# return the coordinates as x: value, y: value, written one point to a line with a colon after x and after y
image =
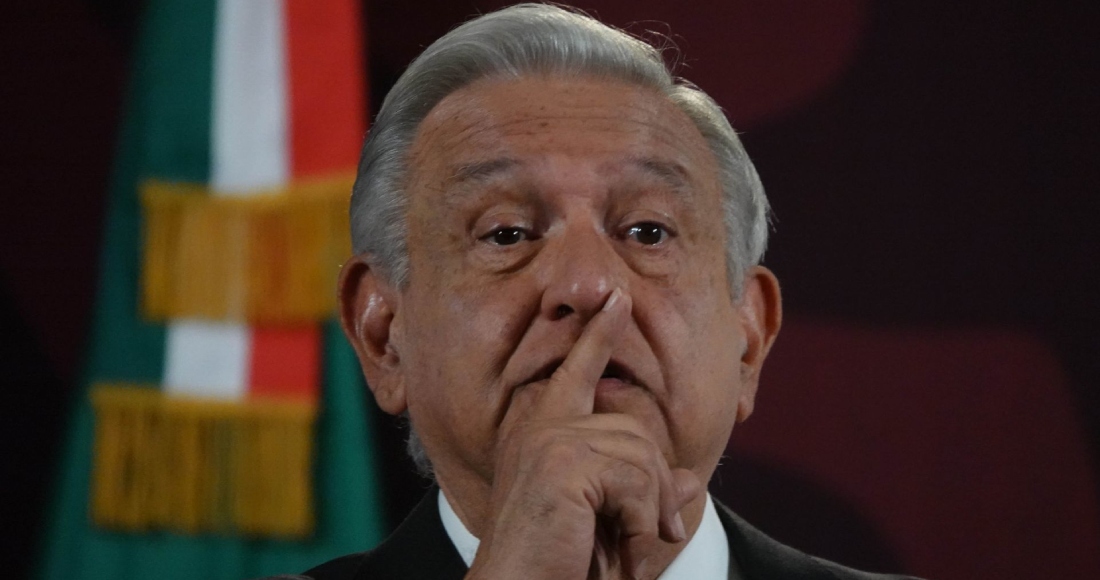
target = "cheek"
x: 695, y: 316
x: 708, y: 359
x: 463, y: 330
x: 463, y: 337
x: 700, y: 338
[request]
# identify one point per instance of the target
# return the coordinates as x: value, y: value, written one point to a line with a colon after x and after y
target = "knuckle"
x: 652, y: 452
x: 633, y: 482
x: 560, y: 451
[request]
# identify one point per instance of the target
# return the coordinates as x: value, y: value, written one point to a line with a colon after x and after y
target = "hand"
x: 578, y: 494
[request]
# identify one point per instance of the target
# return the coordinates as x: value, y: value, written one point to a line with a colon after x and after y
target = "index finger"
x: 572, y: 387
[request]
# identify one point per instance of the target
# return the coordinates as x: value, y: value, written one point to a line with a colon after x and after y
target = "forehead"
x: 540, y: 122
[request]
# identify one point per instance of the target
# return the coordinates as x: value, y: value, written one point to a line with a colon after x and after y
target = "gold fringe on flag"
x: 190, y: 465
x: 268, y: 258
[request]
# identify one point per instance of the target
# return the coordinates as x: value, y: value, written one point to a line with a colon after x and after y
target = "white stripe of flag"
x: 248, y: 152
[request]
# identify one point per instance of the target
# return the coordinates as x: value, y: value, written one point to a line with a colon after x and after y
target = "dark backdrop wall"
x: 933, y: 169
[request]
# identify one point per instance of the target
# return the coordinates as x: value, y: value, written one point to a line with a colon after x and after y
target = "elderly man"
x: 557, y: 280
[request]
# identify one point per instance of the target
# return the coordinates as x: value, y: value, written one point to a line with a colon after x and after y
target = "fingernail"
x: 611, y: 300
x: 639, y: 569
x: 678, y: 528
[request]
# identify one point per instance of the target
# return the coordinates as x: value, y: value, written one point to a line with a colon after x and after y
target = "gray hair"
x: 535, y: 39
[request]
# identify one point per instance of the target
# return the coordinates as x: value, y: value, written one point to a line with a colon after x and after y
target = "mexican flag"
x: 222, y: 432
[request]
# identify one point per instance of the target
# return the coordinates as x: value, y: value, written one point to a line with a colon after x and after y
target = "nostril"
x: 562, y: 311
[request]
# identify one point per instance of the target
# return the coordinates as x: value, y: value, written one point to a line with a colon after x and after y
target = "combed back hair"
x: 525, y: 40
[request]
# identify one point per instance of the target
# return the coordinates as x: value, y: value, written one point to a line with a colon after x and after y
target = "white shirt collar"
x: 705, y: 557
x: 465, y: 542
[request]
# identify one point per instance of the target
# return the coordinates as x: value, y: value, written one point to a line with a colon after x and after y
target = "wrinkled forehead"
x: 522, y: 122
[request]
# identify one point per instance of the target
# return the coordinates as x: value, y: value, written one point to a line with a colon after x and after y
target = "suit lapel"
x: 418, y: 550
x: 759, y: 557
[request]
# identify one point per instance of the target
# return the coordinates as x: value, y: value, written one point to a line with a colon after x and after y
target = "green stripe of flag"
x: 166, y: 135
x: 166, y: 131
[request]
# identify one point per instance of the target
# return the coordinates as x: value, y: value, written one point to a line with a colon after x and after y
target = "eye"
x: 648, y: 233
x: 506, y: 236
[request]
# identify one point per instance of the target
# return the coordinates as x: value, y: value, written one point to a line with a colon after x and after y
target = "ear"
x: 761, y: 314
x: 369, y: 315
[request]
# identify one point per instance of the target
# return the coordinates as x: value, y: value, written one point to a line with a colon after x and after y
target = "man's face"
x: 530, y: 201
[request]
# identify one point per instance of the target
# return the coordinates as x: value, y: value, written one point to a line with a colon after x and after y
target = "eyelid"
x: 489, y: 225
x: 524, y: 234
x: 493, y: 221
x: 637, y: 218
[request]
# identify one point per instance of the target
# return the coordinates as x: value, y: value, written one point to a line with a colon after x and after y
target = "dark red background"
x: 932, y: 405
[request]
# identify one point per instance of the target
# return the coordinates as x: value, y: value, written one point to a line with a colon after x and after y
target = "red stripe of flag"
x: 327, y: 83
x: 326, y: 87
x: 285, y: 362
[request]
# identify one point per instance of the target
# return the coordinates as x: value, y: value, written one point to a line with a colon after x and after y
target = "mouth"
x: 613, y: 371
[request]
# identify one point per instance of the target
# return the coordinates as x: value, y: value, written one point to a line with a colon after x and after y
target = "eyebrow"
x: 482, y: 170
x: 670, y: 172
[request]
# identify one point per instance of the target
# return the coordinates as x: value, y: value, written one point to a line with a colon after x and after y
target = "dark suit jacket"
x: 421, y: 550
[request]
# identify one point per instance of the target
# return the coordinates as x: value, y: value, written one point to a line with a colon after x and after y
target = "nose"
x: 584, y: 269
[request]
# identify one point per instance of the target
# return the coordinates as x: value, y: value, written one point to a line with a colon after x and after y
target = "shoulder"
x: 760, y: 556
x: 844, y: 573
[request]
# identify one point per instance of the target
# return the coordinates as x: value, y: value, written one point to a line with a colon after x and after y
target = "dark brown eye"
x: 648, y: 233
x: 506, y: 236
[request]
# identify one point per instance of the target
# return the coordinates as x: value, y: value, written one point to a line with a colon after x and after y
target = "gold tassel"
x: 269, y: 258
x: 194, y: 465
